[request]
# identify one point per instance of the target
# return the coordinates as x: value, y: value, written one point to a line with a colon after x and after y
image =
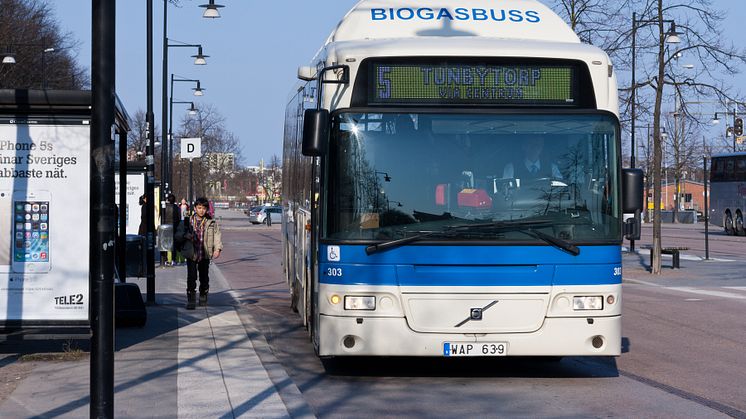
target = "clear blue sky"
x: 255, y: 49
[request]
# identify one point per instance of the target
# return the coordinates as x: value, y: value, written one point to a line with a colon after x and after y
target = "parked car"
x: 257, y: 215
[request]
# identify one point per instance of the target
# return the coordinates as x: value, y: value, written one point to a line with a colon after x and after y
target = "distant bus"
x: 728, y: 192
x: 412, y: 224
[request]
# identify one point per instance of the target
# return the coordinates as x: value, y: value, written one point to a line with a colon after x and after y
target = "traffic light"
x: 738, y: 128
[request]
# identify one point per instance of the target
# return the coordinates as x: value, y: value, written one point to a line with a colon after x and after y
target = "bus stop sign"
x: 191, y: 148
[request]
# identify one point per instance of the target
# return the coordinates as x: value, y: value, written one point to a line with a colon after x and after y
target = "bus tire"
x: 739, y: 230
x: 728, y: 224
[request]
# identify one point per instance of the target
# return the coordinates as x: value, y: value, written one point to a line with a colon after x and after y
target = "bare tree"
x: 596, y: 22
x: 44, y: 55
x: 683, y: 152
x: 698, y: 22
x: 273, y: 178
x: 209, y: 125
x: 658, y: 63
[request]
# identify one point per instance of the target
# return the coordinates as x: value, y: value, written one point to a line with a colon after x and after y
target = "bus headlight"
x: 356, y: 302
x: 595, y: 302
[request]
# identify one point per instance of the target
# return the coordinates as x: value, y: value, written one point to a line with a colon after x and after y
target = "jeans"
x: 203, y: 267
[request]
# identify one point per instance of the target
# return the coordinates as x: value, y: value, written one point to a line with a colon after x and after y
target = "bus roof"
x: 733, y: 154
x: 506, y: 19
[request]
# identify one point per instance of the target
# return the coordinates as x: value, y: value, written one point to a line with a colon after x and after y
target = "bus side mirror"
x: 315, y: 132
x: 632, y: 201
x: 632, y: 190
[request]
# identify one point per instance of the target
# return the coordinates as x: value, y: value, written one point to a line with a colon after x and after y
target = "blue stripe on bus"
x: 472, y: 266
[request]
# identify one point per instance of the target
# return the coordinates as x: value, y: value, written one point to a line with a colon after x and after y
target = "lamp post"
x: 10, y: 58
x: 199, y: 59
x: 729, y: 130
x: 167, y: 164
x: 150, y: 161
x: 211, y: 11
x: 192, y: 111
x: 671, y: 38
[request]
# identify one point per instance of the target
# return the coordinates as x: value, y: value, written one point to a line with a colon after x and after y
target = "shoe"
x: 203, y: 300
x: 191, y: 301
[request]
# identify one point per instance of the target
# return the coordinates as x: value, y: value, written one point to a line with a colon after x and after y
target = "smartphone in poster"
x: 31, y: 221
x: 6, y: 234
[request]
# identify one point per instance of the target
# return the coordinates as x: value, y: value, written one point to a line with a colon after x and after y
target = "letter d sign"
x: 191, y: 148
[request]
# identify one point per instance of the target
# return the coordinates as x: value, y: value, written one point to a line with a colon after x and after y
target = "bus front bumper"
x: 391, y: 336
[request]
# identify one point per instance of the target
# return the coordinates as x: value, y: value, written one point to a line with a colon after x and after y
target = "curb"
x: 286, y: 388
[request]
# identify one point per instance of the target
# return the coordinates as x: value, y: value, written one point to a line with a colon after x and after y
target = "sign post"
x: 191, y: 148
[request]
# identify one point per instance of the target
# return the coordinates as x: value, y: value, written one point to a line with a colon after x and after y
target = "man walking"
x: 202, y: 242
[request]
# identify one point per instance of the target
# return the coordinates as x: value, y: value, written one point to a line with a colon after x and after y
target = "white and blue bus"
x: 452, y: 185
x: 728, y: 192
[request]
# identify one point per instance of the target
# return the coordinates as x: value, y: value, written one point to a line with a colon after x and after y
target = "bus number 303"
x: 334, y: 272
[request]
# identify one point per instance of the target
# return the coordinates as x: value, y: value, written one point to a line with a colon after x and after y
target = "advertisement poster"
x: 135, y: 189
x: 44, y: 219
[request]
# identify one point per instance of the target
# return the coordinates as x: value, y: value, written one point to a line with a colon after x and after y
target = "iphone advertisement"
x: 44, y: 220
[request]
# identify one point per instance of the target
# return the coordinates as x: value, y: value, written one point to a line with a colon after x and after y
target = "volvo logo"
x: 476, y: 313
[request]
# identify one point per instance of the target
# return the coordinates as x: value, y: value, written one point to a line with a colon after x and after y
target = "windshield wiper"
x: 524, y: 226
x: 554, y: 241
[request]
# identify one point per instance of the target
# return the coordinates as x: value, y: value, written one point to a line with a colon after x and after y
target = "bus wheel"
x: 728, y: 224
x: 739, y: 231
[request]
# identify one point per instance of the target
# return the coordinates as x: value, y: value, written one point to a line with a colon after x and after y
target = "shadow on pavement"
x: 524, y: 367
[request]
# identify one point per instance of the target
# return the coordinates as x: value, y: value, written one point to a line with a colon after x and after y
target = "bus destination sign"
x: 458, y: 84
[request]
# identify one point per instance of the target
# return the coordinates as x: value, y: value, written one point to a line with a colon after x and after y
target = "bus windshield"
x: 395, y: 175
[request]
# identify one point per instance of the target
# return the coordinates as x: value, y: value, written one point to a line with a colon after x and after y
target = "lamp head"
x: 672, y: 37
x: 198, y: 91
x: 211, y: 10
x: 9, y: 59
x: 200, y: 59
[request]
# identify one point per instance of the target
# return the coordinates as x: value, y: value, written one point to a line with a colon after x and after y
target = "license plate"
x: 475, y: 349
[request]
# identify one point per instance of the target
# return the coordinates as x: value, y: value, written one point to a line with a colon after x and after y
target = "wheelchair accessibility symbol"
x: 332, y: 253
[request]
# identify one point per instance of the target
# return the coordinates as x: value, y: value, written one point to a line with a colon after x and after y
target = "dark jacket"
x: 171, y: 215
x: 520, y: 170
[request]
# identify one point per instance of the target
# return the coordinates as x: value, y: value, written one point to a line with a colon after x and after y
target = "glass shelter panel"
x: 392, y: 175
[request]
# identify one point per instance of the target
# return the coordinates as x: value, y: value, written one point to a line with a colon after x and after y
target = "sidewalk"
x: 185, y: 364
x: 714, y: 272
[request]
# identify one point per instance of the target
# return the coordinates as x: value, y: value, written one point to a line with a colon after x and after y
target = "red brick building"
x: 691, y: 196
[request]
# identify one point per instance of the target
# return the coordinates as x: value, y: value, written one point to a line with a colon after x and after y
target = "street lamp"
x: 672, y: 37
x: 729, y: 130
x: 192, y: 111
x: 167, y: 167
x: 386, y: 177
x: 199, y: 59
x: 10, y: 58
x: 198, y: 91
x: 211, y: 10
